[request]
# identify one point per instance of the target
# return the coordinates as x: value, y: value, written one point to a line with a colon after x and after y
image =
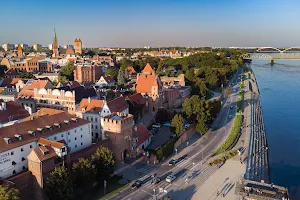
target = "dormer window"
x: 57, y: 125
x: 7, y: 140
x: 74, y: 119
x: 67, y: 122
x: 48, y: 127
x: 19, y: 137
x: 32, y: 133
x: 83, y: 110
x: 40, y: 130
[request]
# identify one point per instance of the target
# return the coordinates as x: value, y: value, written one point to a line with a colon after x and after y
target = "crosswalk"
x: 146, y: 169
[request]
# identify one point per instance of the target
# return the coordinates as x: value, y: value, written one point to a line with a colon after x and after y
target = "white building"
x: 8, y: 47
x: 36, y: 47
x: 50, y: 46
x: 105, y: 81
x: 18, y: 140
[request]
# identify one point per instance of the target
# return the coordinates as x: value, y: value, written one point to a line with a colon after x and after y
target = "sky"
x: 139, y: 23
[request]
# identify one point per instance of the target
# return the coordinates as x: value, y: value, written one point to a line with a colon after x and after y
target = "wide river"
x: 279, y: 87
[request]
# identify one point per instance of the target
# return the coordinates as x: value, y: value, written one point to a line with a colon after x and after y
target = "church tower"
x: 55, y: 45
x: 78, y: 46
x: 20, y: 51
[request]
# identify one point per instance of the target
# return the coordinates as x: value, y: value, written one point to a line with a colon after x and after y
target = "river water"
x: 279, y: 87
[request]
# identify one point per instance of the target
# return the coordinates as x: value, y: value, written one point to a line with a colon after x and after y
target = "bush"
x: 166, y: 149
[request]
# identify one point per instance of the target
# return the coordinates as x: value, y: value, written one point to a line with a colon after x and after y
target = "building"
x: 55, y: 46
x: 69, y: 84
x: 11, y: 112
x: 131, y: 73
x: 8, y: 47
x: 141, y: 137
x: 12, y: 73
x: 50, y: 46
x: 45, y: 66
x: 84, y: 72
x: 104, y: 60
x: 90, y: 109
x: 20, y: 51
x: 19, y: 139
x: 51, y: 76
x: 150, y: 87
x: 9, y: 82
x: 173, y: 81
x: 105, y: 81
x: 37, y: 47
x: 136, y: 103
x: 78, y: 46
x: 8, y: 94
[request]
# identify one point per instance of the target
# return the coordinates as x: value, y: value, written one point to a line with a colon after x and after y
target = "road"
x: 194, y: 164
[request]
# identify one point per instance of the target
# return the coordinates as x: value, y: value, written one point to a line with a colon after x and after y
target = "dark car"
x: 136, y: 184
x: 156, y: 180
x: 172, y: 162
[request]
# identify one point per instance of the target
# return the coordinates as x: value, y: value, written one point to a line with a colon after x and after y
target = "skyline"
x: 137, y: 24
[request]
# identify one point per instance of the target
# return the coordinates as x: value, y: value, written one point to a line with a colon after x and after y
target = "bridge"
x: 273, y: 53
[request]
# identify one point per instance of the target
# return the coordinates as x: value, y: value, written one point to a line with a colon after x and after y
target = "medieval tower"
x: 78, y: 46
x: 55, y: 45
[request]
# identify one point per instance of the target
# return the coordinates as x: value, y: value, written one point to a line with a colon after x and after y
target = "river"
x: 279, y: 87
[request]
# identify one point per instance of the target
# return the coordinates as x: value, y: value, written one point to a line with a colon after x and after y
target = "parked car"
x: 170, y: 178
x: 172, y: 162
x: 136, y: 184
x: 157, y: 125
x: 155, y: 180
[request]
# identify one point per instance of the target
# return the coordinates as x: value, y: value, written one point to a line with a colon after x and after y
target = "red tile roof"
x: 137, y: 98
x: 42, y: 112
x: 145, y: 83
x: 118, y: 104
x: 39, y: 151
x: 148, y: 69
x: 8, y: 82
x: 32, y: 125
x: 131, y: 70
x: 142, y: 133
x: 12, y: 72
x: 13, y: 111
x: 92, y: 106
x: 51, y: 143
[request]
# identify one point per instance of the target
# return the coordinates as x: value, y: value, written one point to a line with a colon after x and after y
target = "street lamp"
x: 176, y: 151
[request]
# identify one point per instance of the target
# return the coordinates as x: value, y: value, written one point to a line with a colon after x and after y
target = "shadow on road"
x: 185, y: 193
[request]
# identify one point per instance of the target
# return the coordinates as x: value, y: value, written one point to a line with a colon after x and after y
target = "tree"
x: 3, y: 69
x: 203, y: 89
x: 121, y: 77
x: 7, y: 193
x: 161, y: 116
x: 124, y: 63
x: 113, y: 72
x: 59, y: 185
x: 104, y: 161
x: 62, y: 79
x: 27, y: 75
x: 202, y: 126
x: 84, y: 173
x: 126, y: 74
x: 178, y: 124
x: 67, y: 71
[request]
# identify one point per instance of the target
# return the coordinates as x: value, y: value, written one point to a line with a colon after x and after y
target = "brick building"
x: 55, y: 46
x: 78, y: 46
x: 84, y: 72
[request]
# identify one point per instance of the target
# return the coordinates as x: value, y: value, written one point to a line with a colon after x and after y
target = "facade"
x: 8, y: 47
x: 78, y: 46
x: 55, y: 46
x: 8, y: 94
x: 90, y: 109
x: 173, y: 81
x: 20, y: 51
x: 105, y: 81
x: 104, y: 60
x: 18, y: 140
x: 131, y: 73
x: 37, y: 47
x: 44, y: 66
x: 84, y: 72
x: 141, y: 137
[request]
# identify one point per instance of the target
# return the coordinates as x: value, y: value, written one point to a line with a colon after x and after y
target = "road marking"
x: 146, y: 192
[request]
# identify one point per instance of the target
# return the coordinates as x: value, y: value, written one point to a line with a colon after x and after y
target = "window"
x: 62, y: 135
x: 13, y: 163
x: 24, y: 167
x: 22, y: 149
x: 76, y: 146
x: 92, y: 134
x: 81, y: 143
x: 30, y: 146
x: 23, y: 159
x: 92, y: 126
x: 68, y: 133
x: 96, y: 119
x: 96, y: 127
x: 14, y: 172
x: 63, y: 149
x: 75, y: 131
x: 75, y: 138
x: 81, y: 129
x: 92, y: 119
x: 69, y: 140
x: 55, y: 138
x: 12, y: 153
x: 81, y: 136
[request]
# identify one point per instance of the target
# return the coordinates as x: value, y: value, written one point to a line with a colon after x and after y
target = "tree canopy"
x: 27, y: 75
x: 113, y: 72
x: 178, y: 124
x: 58, y: 185
x: 7, y: 193
x: 67, y: 71
x: 84, y: 173
x: 121, y: 77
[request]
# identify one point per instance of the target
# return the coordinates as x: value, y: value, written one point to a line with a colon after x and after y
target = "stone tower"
x: 78, y: 46
x: 20, y: 51
x: 55, y: 45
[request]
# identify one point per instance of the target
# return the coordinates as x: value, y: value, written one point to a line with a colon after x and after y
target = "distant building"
x: 52, y: 76
x: 55, y: 46
x: 50, y: 46
x: 105, y: 81
x: 84, y: 72
x: 8, y: 94
x: 8, y: 47
x: 78, y: 46
x: 37, y: 47
x: 11, y: 112
x: 20, y: 51
x: 131, y: 73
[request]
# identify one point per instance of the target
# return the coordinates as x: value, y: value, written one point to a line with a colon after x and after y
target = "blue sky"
x: 138, y: 23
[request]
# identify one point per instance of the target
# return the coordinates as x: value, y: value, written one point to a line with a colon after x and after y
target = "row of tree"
x: 85, y: 172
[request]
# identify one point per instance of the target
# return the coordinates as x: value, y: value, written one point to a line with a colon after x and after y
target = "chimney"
x: 89, y: 99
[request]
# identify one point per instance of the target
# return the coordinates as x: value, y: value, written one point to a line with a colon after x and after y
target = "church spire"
x: 55, y: 38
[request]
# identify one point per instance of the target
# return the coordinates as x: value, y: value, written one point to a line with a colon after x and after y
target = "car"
x: 157, y: 125
x: 172, y: 162
x: 170, y: 178
x: 155, y: 180
x: 136, y: 184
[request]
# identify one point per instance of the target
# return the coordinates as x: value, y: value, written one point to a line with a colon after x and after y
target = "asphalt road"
x: 194, y: 164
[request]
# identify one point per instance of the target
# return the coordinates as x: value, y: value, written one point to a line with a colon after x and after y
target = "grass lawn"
x: 97, y: 192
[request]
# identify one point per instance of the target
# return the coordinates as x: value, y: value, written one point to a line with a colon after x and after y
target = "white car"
x: 170, y: 178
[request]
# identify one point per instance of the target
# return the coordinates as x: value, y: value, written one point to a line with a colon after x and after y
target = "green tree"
x: 125, y: 62
x: 104, y: 161
x: 113, y: 72
x: 7, y: 193
x: 203, y: 89
x: 126, y: 74
x: 202, y: 126
x: 59, y: 185
x: 178, y: 124
x: 67, y: 71
x: 189, y: 75
x: 121, y: 77
x: 3, y: 69
x: 27, y: 75
x: 62, y: 79
x: 84, y: 173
